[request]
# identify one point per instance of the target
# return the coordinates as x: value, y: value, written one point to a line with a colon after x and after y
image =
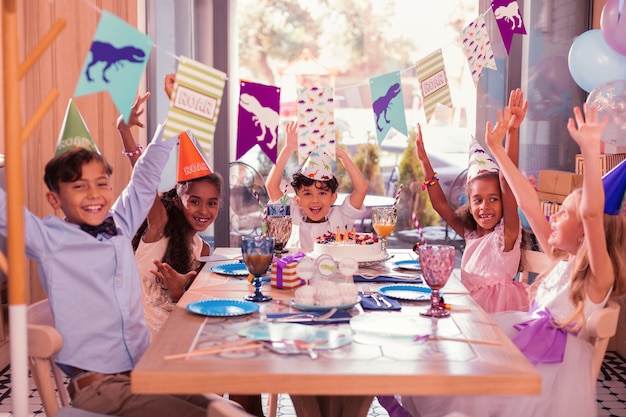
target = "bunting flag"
x: 115, y: 63
x: 477, y: 48
x: 259, y: 111
x: 431, y: 73
x: 316, y: 121
x: 509, y: 20
x: 388, y: 105
x: 195, y: 102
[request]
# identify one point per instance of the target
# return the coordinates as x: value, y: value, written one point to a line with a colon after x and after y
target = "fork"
x: 367, y: 292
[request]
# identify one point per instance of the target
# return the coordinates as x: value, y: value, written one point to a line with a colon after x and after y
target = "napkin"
x: 338, y: 317
x: 368, y: 303
x: 388, y: 278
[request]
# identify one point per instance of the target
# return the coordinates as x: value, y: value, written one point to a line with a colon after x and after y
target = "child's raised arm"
x: 525, y: 194
x: 435, y: 192
x: 276, y: 173
x: 131, y: 148
x: 359, y: 185
x: 586, y: 131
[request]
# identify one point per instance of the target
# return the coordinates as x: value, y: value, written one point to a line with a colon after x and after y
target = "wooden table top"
x: 356, y: 369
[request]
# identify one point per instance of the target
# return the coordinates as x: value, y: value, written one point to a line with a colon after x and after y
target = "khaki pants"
x: 112, y: 396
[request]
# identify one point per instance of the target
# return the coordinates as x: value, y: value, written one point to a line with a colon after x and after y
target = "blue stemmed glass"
x: 257, y: 254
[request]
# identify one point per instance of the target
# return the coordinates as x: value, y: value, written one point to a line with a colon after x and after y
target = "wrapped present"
x: 283, y: 272
x: 608, y: 161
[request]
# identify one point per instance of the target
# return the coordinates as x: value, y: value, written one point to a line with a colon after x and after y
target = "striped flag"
x: 431, y: 73
x: 195, y: 102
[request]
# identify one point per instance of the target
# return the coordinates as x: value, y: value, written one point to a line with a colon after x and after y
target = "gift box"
x: 608, y: 161
x: 555, y: 185
x: 283, y: 272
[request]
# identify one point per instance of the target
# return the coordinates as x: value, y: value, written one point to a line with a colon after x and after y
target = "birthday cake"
x: 362, y: 247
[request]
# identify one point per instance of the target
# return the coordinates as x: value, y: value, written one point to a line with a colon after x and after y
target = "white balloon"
x: 610, y: 100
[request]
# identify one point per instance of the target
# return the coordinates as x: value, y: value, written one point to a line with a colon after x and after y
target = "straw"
x: 395, y: 202
x: 237, y: 346
x: 285, y: 197
x: 419, y: 229
x: 456, y: 339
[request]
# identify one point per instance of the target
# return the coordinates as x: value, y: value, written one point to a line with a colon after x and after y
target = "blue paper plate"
x: 413, y: 265
x: 222, y: 308
x: 234, y: 269
x: 406, y: 292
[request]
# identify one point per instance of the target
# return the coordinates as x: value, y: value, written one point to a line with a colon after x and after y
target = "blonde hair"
x: 615, y: 237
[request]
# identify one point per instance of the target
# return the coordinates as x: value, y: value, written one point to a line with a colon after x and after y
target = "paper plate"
x: 222, y: 308
x: 292, y: 331
x: 413, y: 265
x: 305, y: 307
x: 406, y: 292
x: 234, y: 269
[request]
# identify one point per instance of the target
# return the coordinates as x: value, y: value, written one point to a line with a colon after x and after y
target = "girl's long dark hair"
x: 179, y: 253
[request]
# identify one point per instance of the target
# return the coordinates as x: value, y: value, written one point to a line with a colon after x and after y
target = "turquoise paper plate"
x: 235, y: 269
x: 406, y: 292
x: 222, y: 308
x: 413, y: 265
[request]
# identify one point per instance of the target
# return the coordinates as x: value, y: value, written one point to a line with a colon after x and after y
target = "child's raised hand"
x: 419, y: 145
x: 341, y: 154
x: 518, y: 108
x: 586, y: 130
x: 292, y: 135
x: 135, y: 113
x: 168, y: 84
x: 495, y: 134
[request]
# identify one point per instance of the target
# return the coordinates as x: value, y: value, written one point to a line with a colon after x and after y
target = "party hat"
x: 614, y: 184
x: 191, y: 162
x: 480, y: 161
x: 74, y: 132
x: 317, y: 166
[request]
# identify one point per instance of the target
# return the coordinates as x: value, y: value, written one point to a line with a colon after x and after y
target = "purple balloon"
x: 613, y: 27
x: 610, y: 100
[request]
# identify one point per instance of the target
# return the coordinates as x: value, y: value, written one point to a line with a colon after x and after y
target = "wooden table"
x: 341, y: 382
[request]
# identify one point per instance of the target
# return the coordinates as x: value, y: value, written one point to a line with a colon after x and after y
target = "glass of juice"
x: 384, y: 221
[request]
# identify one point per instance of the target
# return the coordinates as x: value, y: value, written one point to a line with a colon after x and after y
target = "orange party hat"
x: 191, y: 162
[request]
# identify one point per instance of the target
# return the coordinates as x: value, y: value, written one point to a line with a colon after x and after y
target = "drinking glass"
x: 278, y: 223
x: 257, y: 252
x: 383, y: 221
x: 437, y: 262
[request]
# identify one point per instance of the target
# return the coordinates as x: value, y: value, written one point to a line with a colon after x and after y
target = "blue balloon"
x: 592, y: 61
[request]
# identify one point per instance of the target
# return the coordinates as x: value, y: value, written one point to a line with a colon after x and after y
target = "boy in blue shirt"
x: 88, y: 270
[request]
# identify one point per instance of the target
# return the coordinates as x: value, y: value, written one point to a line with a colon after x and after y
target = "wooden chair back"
x: 44, y: 341
x: 601, y: 325
x: 533, y: 261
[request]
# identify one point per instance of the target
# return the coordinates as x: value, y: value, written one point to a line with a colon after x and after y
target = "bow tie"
x: 107, y: 226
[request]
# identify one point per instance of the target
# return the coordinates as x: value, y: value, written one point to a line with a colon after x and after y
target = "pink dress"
x: 487, y: 271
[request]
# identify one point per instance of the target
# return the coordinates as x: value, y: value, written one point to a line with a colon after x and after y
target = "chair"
x: 245, y: 215
x: 44, y: 341
x: 533, y: 262
x: 601, y: 325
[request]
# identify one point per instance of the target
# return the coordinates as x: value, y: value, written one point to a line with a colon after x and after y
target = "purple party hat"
x: 614, y: 183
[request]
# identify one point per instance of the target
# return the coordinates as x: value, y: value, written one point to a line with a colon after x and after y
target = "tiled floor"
x: 611, y: 393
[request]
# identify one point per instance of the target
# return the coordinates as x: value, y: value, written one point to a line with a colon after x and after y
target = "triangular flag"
x: 477, y: 48
x: 431, y: 73
x: 191, y: 161
x: 74, y: 132
x: 115, y: 63
x: 316, y: 121
x: 317, y: 166
x: 509, y: 20
x: 480, y: 162
x: 614, y: 183
x: 388, y: 105
x: 196, y: 100
x: 257, y: 122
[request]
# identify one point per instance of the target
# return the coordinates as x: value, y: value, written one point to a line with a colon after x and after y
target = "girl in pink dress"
x: 489, y: 222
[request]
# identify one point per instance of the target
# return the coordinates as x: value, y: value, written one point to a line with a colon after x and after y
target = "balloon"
x: 614, y: 27
x: 610, y: 100
x: 592, y: 61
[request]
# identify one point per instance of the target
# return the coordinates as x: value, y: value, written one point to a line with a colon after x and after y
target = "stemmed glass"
x: 437, y: 262
x: 384, y: 220
x: 278, y: 222
x: 257, y: 252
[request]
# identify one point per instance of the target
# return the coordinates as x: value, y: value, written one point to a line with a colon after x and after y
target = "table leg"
x: 331, y: 406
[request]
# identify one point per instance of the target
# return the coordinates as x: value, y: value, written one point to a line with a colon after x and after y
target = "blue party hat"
x: 614, y: 184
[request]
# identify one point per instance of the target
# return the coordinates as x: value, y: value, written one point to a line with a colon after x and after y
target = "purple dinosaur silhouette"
x: 381, y: 105
x: 109, y: 54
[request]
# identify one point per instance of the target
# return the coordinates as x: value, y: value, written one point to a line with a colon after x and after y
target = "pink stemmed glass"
x: 437, y: 263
